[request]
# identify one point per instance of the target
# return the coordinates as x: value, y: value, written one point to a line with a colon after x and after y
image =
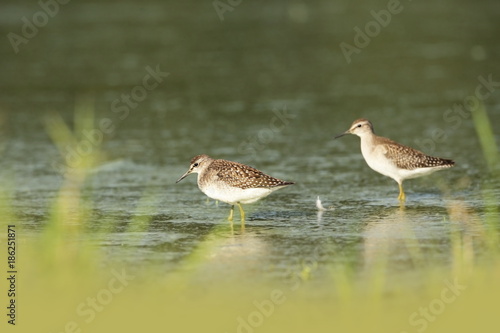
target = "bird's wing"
x: 244, y: 176
x: 408, y: 158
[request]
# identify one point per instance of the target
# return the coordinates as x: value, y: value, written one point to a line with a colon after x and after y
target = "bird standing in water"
x: 232, y: 182
x: 392, y: 159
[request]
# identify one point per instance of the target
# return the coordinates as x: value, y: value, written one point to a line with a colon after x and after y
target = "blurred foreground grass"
x: 66, y: 285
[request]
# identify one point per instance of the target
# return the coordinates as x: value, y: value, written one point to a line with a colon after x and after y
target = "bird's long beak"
x: 184, y: 176
x: 341, y: 135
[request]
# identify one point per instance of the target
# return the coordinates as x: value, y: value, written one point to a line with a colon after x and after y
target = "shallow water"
x: 269, y: 87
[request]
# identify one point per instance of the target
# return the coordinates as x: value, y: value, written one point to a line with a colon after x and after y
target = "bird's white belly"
x: 377, y: 160
x: 233, y: 195
x: 418, y: 172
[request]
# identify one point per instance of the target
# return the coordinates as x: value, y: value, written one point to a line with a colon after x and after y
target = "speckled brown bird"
x: 392, y: 159
x: 232, y: 182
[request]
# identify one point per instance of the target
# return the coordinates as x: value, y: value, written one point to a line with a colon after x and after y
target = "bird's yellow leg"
x: 231, y: 212
x: 402, y: 196
x: 242, y: 213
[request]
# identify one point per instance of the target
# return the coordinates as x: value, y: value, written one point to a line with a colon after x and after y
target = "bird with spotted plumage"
x: 232, y: 182
x: 392, y: 159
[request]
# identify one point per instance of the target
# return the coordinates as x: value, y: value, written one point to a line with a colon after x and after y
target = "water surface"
x: 270, y: 87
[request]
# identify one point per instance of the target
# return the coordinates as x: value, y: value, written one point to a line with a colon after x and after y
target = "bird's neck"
x: 368, y: 137
x: 202, y: 177
x: 368, y: 142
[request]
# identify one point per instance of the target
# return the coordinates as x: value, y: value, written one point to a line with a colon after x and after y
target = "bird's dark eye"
x: 195, y: 165
x: 359, y: 125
